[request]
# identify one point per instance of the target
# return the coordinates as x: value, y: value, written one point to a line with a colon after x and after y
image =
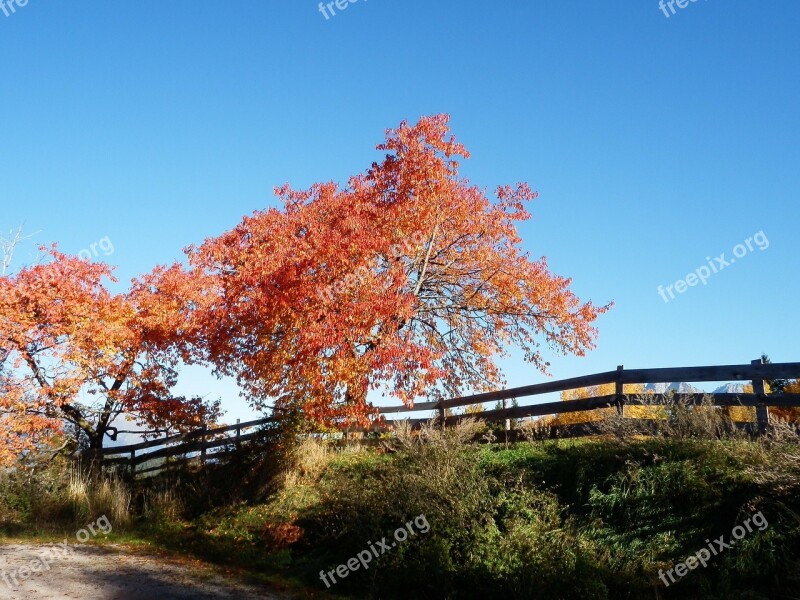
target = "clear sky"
x: 655, y: 141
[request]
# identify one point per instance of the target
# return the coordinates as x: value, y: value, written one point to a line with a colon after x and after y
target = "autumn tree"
x: 747, y: 414
x: 782, y: 386
x: 76, y: 354
x: 791, y: 414
x: 408, y: 279
x: 594, y: 391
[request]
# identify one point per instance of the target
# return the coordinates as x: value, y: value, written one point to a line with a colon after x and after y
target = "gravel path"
x: 109, y: 573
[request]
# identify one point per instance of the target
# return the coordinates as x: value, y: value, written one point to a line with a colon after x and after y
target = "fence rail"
x: 228, y: 439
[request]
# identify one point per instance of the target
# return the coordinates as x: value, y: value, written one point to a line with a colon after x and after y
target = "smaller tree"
x: 784, y: 386
x: 76, y: 354
x: 777, y: 386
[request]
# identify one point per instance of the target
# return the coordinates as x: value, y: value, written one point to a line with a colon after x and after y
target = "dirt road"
x: 50, y: 571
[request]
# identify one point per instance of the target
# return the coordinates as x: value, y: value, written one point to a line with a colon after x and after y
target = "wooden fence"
x: 227, y: 440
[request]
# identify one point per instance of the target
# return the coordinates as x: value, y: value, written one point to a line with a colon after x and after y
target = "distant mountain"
x: 730, y: 388
x: 663, y: 388
x: 686, y: 388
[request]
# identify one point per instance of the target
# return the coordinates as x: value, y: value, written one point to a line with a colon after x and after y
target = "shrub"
x: 484, y: 540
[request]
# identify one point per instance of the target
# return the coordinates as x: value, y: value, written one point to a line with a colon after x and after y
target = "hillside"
x: 433, y: 516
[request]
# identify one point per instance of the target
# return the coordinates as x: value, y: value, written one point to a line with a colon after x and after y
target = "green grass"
x: 563, y: 519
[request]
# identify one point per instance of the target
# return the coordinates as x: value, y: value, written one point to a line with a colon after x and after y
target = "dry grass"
x: 535, y: 429
x: 305, y: 462
x: 677, y: 419
x: 310, y: 457
x: 466, y: 430
x: 98, y: 495
x: 162, y: 505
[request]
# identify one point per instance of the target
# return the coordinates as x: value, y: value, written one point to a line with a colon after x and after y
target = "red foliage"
x: 74, y: 353
x: 286, y: 313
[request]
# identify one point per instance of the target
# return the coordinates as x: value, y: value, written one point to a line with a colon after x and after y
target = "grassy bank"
x: 553, y: 519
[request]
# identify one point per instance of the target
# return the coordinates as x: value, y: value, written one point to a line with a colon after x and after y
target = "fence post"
x: 762, y: 411
x: 618, y: 390
x: 133, y: 462
x: 203, y: 443
x: 507, y: 422
x: 238, y: 434
x: 442, y: 413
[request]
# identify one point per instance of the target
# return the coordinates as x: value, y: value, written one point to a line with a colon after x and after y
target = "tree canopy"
x: 75, y: 354
x: 408, y: 279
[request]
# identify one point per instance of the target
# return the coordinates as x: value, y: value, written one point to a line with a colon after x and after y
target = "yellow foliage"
x: 583, y: 416
x: 741, y: 414
x: 633, y: 411
x: 606, y: 389
x: 738, y: 414
x: 748, y: 388
x: 588, y: 416
x: 791, y: 414
x: 748, y: 413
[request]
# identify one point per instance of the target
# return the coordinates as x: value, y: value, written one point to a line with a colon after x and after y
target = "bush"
x: 485, y: 540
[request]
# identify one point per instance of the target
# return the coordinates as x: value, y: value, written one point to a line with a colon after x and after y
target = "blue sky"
x: 654, y: 141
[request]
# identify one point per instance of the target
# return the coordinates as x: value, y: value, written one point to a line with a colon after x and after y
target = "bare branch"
x: 8, y: 245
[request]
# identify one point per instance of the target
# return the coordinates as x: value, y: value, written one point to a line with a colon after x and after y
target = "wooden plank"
x: 787, y: 400
x: 535, y: 389
x: 195, y: 446
x: 664, y: 375
x: 540, y: 410
x: 628, y: 376
x: 713, y: 373
x: 245, y: 425
x: 544, y: 409
x: 181, y: 462
x: 571, y: 406
x: 183, y: 437
x: 782, y: 400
